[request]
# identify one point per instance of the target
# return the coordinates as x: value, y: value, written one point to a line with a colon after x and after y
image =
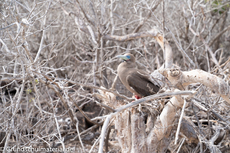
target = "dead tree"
x: 130, y: 123
x: 56, y: 55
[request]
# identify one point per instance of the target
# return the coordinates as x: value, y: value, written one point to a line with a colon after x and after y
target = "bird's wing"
x: 140, y: 82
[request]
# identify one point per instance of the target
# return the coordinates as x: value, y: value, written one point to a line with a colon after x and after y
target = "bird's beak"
x: 122, y: 57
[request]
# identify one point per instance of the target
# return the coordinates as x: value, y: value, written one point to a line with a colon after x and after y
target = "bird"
x: 135, y: 80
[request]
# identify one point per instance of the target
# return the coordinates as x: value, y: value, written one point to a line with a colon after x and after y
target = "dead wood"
x: 136, y: 139
x: 58, y: 75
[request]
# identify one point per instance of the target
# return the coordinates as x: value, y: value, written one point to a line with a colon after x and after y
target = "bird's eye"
x: 128, y: 56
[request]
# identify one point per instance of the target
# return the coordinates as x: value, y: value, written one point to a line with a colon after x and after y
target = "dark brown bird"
x: 135, y: 80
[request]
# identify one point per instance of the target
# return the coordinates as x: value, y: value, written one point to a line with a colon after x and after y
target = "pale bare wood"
x: 181, y: 79
x: 137, y: 135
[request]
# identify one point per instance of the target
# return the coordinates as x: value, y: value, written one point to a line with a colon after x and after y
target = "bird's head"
x: 127, y: 57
